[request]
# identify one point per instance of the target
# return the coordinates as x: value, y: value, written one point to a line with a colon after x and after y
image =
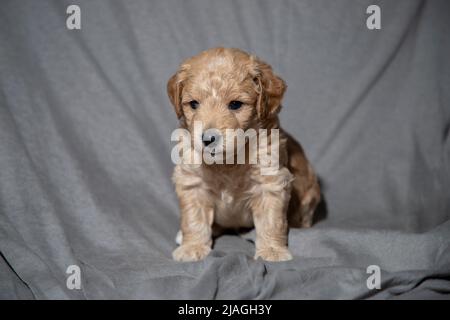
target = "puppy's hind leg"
x: 305, y: 195
x: 308, y: 206
x: 303, y: 204
x: 179, y: 238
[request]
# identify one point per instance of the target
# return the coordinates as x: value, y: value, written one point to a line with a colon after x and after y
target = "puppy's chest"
x: 232, y: 202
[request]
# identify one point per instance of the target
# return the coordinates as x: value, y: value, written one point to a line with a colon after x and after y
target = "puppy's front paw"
x: 191, y: 252
x: 274, y: 254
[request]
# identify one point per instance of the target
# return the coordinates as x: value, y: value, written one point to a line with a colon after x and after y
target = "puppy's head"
x: 224, y: 88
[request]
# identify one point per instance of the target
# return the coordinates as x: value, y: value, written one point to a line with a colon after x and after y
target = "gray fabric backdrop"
x: 85, y: 147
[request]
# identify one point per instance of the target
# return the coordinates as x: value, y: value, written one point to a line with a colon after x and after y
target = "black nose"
x: 208, y: 139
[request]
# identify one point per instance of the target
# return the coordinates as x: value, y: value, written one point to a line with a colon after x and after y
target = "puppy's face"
x: 224, y: 89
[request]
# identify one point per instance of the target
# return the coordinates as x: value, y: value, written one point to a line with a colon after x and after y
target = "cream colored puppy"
x: 226, y: 88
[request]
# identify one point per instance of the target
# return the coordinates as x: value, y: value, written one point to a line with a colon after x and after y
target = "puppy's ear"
x: 175, y: 88
x: 270, y: 89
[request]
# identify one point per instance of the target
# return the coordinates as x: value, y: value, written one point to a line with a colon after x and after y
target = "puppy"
x: 224, y: 88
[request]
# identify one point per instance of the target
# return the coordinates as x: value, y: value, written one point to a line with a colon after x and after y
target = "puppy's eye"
x: 234, y: 105
x: 194, y: 104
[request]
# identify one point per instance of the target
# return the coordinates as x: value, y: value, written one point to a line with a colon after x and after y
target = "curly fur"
x: 217, y: 196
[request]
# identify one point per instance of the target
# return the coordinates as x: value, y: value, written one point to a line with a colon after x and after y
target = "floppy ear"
x: 270, y: 88
x: 174, y: 89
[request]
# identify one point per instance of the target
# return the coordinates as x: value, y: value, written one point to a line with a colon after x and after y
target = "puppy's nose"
x: 208, y: 138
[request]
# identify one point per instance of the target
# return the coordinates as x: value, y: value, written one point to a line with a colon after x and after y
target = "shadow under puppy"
x: 224, y: 88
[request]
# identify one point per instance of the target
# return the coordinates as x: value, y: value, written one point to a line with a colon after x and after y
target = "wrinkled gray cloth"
x: 85, y: 146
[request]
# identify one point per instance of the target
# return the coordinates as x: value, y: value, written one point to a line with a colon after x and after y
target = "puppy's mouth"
x: 211, y: 151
